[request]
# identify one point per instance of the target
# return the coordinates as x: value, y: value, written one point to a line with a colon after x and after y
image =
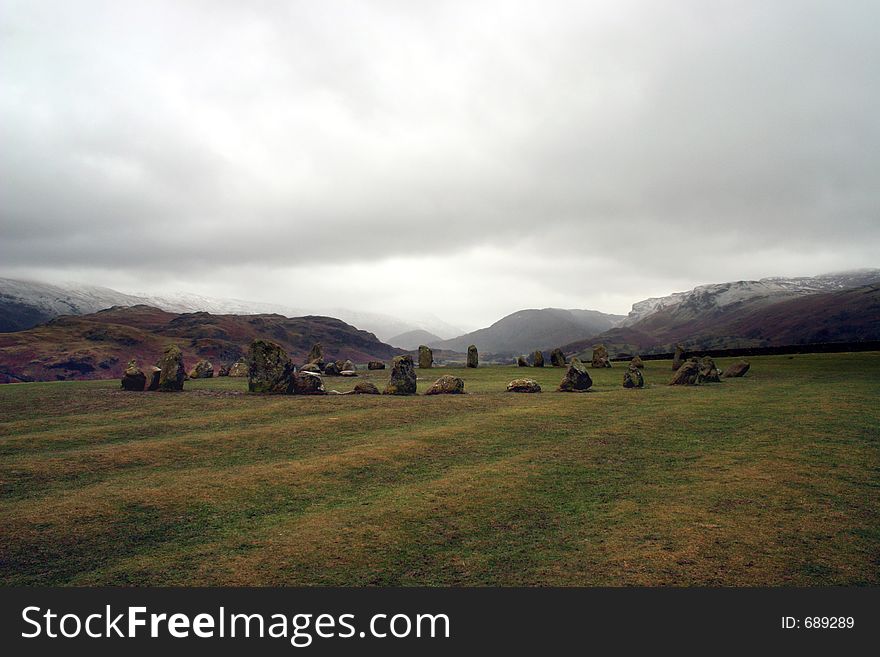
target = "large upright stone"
x: 576, y: 378
x: 737, y: 369
x: 708, y: 373
x: 447, y: 385
x: 521, y: 361
x: 538, y: 359
x: 686, y: 374
x: 202, y: 370
x: 678, y: 358
x: 403, y: 377
x: 173, y: 373
x: 600, y: 356
x: 316, y: 356
x: 133, y: 378
x: 633, y: 378
x: 426, y: 357
x: 306, y: 383
x: 637, y: 362
x: 269, y: 368
x: 473, y: 359
x: 557, y: 358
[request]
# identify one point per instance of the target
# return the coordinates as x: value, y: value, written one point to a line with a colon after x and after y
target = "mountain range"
x: 99, y: 345
x: 24, y: 304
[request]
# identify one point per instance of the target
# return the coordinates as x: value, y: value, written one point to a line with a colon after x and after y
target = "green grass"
x: 773, y: 479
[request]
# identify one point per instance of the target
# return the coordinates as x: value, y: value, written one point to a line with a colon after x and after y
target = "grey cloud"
x: 259, y: 137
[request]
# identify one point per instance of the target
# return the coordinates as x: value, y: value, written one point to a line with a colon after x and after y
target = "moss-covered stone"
x: 576, y: 378
x: 269, y: 368
x: 403, y: 377
x: 426, y: 357
x: 557, y: 358
x: 173, y: 373
x: 447, y: 385
x: 600, y: 356
x: 202, y: 370
x: 523, y: 385
x: 538, y: 359
x: 633, y: 378
x: 473, y: 358
x: 133, y: 378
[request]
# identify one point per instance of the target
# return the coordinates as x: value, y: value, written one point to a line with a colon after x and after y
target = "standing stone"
x: 600, y: 356
x: 537, y: 359
x: 331, y: 369
x: 473, y: 358
x: 154, y: 378
x: 202, y: 370
x: 239, y: 368
x: 375, y: 365
x: 686, y: 374
x: 316, y: 356
x: 269, y: 368
x: 678, y: 358
x: 633, y: 378
x: 403, y: 377
x: 557, y: 358
x: 224, y: 370
x: 348, y: 366
x: 365, y: 388
x: 522, y: 362
x: 426, y: 357
x: 637, y: 362
x: 576, y: 378
x: 173, y: 373
x: 133, y: 378
x: 306, y: 383
x: 736, y: 370
x: 447, y: 385
x: 523, y: 385
x: 708, y: 371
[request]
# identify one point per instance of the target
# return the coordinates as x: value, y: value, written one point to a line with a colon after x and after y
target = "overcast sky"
x: 466, y: 159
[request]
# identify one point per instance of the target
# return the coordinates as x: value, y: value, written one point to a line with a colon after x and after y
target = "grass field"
x: 773, y: 479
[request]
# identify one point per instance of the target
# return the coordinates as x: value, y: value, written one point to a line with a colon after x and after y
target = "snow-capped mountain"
x: 27, y: 303
x: 720, y: 295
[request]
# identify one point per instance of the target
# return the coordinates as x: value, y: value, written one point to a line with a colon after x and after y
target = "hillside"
x: 412, y: 339
x: 527, y: 330
x: 850, y: 315
x: 24, y: 304
x: 98, y: 345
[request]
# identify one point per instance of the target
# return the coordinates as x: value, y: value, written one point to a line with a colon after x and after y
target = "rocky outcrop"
x: 269, y: 368
x: 403, y: 377
x: 316, y: 356
x: 637, y: 362
x: 173, y: 373
x: 600, y: 356
x: 686, y: 374
x: 708, y: 373
x: 375, y: 365
x: 576, y: 378
x: 365, y: 388
x: 538, y: 359
x: 133, y: 378
x: 557, y: 358
x: 473, y: 358
x: 446, y: 385
x: 678, y: 358
x: 633, y: 378
x: 735, y: 370
x: 202, y: 370
x: 426, y: 357
x: 306, y: 383
x: 522, y: 362
x: 523, y: 385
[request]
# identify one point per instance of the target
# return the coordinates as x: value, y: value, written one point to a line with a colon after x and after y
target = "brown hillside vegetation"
x: 851, y: 315
x: 99, y: 345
